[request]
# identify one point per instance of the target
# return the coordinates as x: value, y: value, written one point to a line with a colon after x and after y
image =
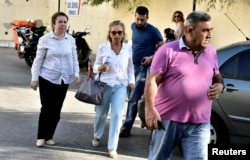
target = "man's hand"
x: 215, y: 91
x: 152, y: 117
x: 146, y: 61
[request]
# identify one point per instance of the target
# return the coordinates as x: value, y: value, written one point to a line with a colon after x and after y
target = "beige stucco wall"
x: 99, y: 17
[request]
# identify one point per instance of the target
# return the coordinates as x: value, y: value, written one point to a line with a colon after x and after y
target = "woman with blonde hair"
x: 114, y: 62
x: 178, y: 19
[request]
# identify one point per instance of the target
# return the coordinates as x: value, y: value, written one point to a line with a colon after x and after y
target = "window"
x: 237, y: 67
x: 244, y: 66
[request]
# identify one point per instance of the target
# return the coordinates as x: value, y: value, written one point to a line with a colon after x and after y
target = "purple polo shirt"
x: 182, y: 93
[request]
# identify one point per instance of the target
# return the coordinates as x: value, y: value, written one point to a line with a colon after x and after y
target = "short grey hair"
x: 195, y: 17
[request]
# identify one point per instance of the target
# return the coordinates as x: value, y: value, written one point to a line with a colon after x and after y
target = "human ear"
x: 190, y: 29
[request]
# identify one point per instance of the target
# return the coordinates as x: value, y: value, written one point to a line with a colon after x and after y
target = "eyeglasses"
x: 177, y: 16
x: 116, y: 32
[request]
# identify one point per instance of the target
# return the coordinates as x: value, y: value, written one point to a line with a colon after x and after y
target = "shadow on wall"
x: 8, y: 2
x: 7, y: 25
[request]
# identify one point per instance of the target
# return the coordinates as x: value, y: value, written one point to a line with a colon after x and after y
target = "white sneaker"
x: 95, y: 143
x: 50, y: 142
x: 112, y: 154
x: 40, y: 142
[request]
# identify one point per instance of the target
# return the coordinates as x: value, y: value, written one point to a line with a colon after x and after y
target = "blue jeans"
x: 134, y: 97
x: 193, y: 139
x: 114, y: 97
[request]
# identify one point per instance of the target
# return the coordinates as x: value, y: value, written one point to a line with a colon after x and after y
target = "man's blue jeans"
x: 134, y: 97
x: 193, y: 139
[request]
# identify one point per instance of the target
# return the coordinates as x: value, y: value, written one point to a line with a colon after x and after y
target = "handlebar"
x: 80, y: 34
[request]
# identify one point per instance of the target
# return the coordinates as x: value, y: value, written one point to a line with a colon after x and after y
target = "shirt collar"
x: 54, y: 36
x: 182, y: 44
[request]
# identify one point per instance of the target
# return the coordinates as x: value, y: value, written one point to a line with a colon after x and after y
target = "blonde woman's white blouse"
x: 121, y: 65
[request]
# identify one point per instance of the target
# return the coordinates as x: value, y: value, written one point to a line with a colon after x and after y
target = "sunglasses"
x: 116, y: 32
x: 177, y: 16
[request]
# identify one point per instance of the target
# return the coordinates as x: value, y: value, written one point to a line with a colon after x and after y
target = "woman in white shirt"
x: 114, y: 61
x: 178, y: 19
x: 54, y: 68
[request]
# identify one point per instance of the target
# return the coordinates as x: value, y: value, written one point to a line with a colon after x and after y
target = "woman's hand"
x: 77, y: 80
x: 132, y: 86
x: 34, y: 85
x: 104, y: 68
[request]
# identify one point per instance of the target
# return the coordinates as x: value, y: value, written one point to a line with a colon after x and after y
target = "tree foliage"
x: 115, y: 3
x: 211, y: 4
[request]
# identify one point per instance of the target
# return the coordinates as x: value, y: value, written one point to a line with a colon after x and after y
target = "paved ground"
x: 19, y: 111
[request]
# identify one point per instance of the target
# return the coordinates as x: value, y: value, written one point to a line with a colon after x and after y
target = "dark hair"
x: 54, y: 17
x: 169, y: 34
x: 181, y: 16
x: 195, y: 17
x: 167, y: 30
x: 116, y: 23
x: 141, y: 10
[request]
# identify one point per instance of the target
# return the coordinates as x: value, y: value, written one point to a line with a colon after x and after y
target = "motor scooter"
x: 26, y: 36
x: 83, y: 49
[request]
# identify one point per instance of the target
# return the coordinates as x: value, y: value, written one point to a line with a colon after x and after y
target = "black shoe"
x: 124, y: 133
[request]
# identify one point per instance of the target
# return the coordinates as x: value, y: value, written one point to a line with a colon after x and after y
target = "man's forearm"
x: 218, y: 79
x: 150, y: 92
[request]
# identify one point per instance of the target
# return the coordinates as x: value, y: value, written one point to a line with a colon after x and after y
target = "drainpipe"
x: 58, y: 5
x: 194, y: 5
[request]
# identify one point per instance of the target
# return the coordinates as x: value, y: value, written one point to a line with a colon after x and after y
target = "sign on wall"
x: 74, y: 7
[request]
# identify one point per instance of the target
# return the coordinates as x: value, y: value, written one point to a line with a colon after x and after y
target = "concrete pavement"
x: 19, y: 116
x: 19, y: 111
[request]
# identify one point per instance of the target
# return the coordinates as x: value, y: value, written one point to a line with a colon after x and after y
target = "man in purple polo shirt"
x: 184, y: 79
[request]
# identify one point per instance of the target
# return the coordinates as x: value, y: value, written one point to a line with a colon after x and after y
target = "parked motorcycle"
x: 26, y: 36
x: 83, y: 49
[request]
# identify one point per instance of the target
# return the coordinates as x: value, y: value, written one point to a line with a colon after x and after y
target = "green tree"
x: 212, y: 4
x: 115, y: 3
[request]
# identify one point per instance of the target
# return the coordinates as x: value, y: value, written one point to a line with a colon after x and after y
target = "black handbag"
x: 90, y: 90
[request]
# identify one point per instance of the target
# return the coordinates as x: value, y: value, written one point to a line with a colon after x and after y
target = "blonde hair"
x: 181, y: 16
x: 116, y: 23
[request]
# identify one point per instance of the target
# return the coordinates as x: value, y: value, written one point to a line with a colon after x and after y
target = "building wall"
x: 99, y: 17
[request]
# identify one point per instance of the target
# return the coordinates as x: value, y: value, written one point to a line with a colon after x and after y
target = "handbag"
x: 90, y: 90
